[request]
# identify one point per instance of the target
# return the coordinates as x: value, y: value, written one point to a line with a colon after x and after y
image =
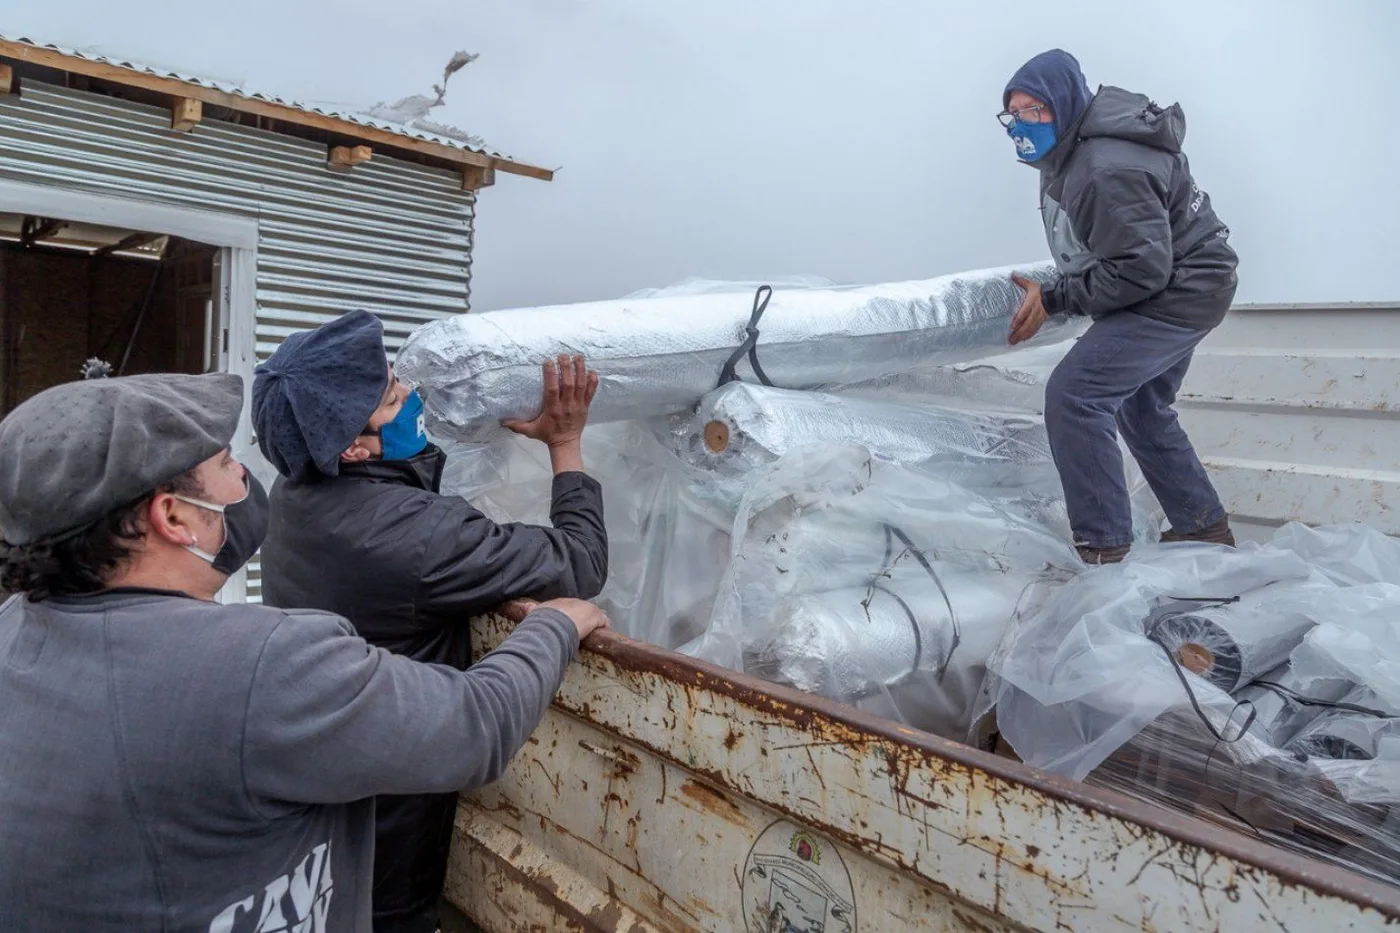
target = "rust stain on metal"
x: 713, y: 801
x: 546, y: 890
x: 624, y: 762
x: 970, y: 922
x: 731, y: 739
x: 662, y: 797
x: 553, y: 779
x: 502, y: 806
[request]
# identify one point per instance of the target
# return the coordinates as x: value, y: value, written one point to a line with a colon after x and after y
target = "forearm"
x: 331, y: 719
x: 566, y: 457
x: 1104, y: 287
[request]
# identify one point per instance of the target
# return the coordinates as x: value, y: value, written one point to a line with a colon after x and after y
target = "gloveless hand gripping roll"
x: 659, y: 355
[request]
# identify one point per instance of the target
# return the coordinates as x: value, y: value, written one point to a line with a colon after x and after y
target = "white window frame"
x: 235, y: 295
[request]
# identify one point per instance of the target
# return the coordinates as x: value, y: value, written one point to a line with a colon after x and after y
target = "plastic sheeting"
x: 1305, y: 753
x: 1081, y: 676
x: 658, y: 355
x: 744, y: 426
x: 876, y: 583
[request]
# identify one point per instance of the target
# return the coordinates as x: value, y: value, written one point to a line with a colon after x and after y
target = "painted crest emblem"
x: 794, y: 881
x: 804, y: 846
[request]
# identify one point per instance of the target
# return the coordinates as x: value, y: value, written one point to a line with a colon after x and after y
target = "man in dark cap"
x: 359, y: 528
x: 1142, y: 253
x: 169, y: 763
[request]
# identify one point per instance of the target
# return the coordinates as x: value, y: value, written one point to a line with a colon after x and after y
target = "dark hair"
x: 84, y: 562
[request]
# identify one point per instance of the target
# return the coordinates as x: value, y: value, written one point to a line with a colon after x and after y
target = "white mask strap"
x: 212, y: 507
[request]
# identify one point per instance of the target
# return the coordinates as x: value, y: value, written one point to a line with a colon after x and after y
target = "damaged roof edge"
x: 358, y: 126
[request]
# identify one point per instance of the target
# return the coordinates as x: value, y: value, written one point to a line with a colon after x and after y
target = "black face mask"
x: 245, y: 527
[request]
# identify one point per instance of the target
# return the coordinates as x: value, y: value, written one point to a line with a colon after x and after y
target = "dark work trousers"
x: 1123, y: 375
x: 424, y: 921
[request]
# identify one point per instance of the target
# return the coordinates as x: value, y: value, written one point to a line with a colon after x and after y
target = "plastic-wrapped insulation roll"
x: 1344, y: 734
x: 1232, y: 644
x: 854, y: 642
x: 1004, y: 382
x: 740, y: 427
x: 1279, y: 716
x: 844, y: 549
x: 656, y: 356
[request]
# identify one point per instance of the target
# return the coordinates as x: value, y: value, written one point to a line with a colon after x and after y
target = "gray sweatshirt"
x: 168, y: 764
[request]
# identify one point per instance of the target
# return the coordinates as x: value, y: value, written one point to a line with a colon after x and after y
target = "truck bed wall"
x: 1295, y: 410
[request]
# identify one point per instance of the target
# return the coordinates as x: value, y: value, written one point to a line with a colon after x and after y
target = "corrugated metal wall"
x: 1296, y: 412
x: 389, y: 236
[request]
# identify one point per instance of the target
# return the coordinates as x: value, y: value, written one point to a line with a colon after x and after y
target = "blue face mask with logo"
x: 1033, y: 140
x: 405, y: 436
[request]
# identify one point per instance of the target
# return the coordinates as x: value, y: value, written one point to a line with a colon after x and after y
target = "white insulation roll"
x: 659, y: 355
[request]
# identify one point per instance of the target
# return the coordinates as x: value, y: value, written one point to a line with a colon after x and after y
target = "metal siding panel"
x: 389, y: 236
x: 1295, y: 411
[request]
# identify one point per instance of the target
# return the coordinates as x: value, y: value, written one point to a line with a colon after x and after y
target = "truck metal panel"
x: 1295, y: 409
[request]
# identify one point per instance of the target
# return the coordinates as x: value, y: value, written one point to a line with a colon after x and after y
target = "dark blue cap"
x: 316, y: 394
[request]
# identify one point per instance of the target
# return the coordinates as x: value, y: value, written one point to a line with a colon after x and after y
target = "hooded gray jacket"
x: 173, y: 765
x: 1128, y: 227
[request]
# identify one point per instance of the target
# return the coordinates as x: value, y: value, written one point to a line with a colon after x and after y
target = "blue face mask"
x: 1033, y: 140
x: 405, y: 436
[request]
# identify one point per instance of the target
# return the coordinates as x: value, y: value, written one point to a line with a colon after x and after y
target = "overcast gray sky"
x: 852, y: 140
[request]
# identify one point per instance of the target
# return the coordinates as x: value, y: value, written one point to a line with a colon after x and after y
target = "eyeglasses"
x: 1007, y: 117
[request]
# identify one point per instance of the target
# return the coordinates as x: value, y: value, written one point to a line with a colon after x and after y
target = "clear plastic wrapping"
x: 660, y: 353
x: 1012, y: 382
x: 1293, y: 735
x: 742, y: 426
x: 874, y: 582
x: 1339, y: 811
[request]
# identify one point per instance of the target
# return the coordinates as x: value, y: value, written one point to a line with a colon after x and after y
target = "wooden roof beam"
x: 175, y: 88
x: 185, y: 114
x: 344, y: 158
x: 128, y: 242
x: 475, y: 178
x: 34, y: 229
x: 8, y: 85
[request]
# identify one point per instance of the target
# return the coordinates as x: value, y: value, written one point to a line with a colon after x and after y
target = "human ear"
x: 355, y: 453
x: 165, y: 519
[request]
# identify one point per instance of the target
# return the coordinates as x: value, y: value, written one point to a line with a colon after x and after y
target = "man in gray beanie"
x: 170, y: 763
x: 359, y: 529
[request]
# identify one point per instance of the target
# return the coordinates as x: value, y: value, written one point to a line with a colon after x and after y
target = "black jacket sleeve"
x: 1122, y: 218
x: 473, y: 564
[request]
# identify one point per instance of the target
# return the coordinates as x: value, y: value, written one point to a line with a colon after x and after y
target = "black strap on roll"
x: 750, y: 344
x: 1296, y: 697
x: 1153, y: 633
x: 913, y: 625
x: 893, y: 532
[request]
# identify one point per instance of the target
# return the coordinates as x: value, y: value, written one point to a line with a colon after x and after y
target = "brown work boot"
x: 1218, y: 533
x: 1102, y: 555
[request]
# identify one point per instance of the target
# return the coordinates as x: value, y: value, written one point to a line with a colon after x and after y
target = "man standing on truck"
x: 170, y: 763
x: 359, y: 528
x: 1142, y: 253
